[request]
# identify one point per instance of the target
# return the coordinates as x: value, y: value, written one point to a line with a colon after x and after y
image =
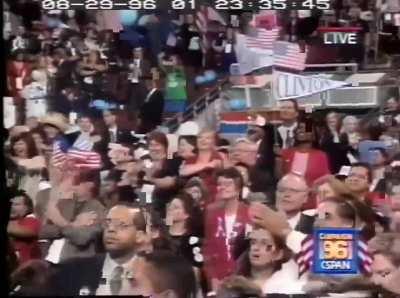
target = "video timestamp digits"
x: 271, y: 4
x: 99, y: 4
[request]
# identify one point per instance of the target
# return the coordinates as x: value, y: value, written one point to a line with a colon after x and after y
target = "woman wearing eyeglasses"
x: 267, y: 264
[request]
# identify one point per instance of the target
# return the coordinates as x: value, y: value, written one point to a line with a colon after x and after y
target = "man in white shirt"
x: 109, y: 274
x: 291, y: 194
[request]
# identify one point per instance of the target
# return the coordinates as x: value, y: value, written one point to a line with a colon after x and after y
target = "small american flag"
x: 78, y: 154
x: 305, y: 257
x: 264, y: 40
x: 289, y: 55
x: 204, y: 15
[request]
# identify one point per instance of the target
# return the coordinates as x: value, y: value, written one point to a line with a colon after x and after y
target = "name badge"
x: 336, y: 251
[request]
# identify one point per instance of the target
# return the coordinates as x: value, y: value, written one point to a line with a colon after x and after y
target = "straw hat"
x: 56, y: 119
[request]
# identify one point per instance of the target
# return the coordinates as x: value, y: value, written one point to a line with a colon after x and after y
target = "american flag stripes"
x: 79, y: 154
x: 289, y: 55
x: 264, y: 40
x: 305, y: 257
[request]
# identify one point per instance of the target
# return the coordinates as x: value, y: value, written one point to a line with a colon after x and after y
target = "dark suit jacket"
x: 78, y: 273
x: 151, y: 112
x: 305, y: 224
x: 73, y: 275
x: 64, y: 75
x: 266, y: 156
x: 123, y: 136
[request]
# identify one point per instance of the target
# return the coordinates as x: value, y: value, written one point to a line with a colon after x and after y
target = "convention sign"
x: 336, y: 251
x: 288, y: 85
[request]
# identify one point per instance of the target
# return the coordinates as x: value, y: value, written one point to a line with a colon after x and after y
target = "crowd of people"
x: 103, y: 202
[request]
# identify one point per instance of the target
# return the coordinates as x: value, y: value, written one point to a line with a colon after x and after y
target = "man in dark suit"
x: 289, y: 114
x: 108, y: 274
x: 113, y: 134
x: 65, y: 70
x: 150, y: 114
x: 139, y: 72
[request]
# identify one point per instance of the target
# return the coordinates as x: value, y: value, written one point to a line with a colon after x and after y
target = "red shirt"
x: 208, y: 177
x: 220, y: 249
x: 316, y: 166
x: 28, y: 248
x: 313, y: 164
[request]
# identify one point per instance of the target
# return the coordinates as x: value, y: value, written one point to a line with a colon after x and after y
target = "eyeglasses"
x: 116, y: 224
x: 281, y: 189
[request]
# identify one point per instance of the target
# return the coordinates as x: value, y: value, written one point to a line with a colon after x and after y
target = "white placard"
x: 9, y: 117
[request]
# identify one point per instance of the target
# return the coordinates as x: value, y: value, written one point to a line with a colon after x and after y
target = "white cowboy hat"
x: 56, y: 119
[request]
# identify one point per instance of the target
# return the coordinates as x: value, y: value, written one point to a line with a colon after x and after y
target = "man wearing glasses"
x: 124, y: 228
x: 291, y: 194
x: 359, y: 180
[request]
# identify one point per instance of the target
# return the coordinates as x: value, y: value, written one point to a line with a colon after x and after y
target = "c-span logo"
x: 336, y: 251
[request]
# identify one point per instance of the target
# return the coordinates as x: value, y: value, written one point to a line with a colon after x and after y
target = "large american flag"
x: 79, y: 155
x: 305, y: 257
x: 264, y: 39
x: 289, y: 55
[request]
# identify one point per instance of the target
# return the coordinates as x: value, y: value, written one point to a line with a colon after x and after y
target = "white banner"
x: 287, y: 85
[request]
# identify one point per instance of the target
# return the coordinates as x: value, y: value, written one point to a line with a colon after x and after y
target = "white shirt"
x: 294, y: 220
x: 114, y: 131
x: 108, y: 268
x: 150, y: 94
x: 285, y: 281
x: 283, y: 132
x: 229, y: 224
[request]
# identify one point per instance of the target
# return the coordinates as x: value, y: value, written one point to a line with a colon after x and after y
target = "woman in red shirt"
x: 23, y: 229
x: 205, y: 162
x: 303, y: 158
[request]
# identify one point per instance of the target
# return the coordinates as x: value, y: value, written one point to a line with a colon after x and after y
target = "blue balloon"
x: 128, y: 17
x: 101, y: 105
x: 210, y: 75
x: 200, y: 80
x: 237, y: 104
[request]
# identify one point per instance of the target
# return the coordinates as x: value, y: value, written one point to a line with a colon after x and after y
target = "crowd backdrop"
x: 103, y: 201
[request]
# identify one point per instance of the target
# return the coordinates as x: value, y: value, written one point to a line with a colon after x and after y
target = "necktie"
x: 116, y: 280
x: 113, y: 138
x: 287, y: 140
